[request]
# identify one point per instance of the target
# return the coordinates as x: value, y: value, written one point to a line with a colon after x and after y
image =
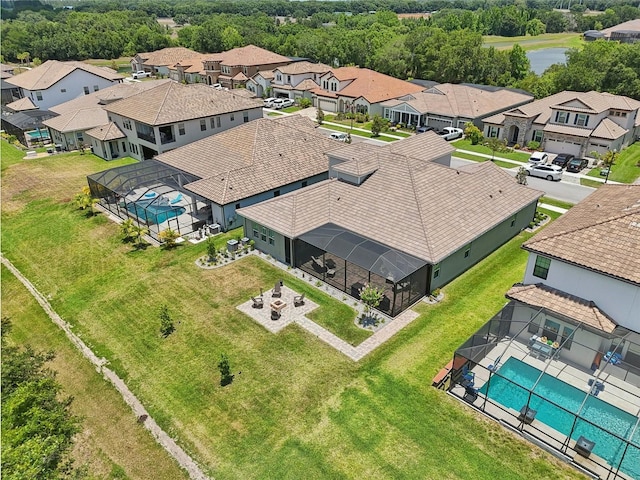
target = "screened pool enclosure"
x: 152, y: 194
x: 349, y: 261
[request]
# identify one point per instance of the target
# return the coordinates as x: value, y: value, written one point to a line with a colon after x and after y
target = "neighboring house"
x: 77, y: 116
x: 395, y: 217
x: 10, y: 92
x: 158, y: 62
x: 21, y: 105
x: 190, y: 70
x: 359, y: 90
x: 297, y: 79
x: 210, y: 179
x: 233, y: 68
x: 171, y: 115
x: 260, y: 83
x: 570, y: 122
x: 54, y: 82
x: 450, y: 105
x: 626, y: 32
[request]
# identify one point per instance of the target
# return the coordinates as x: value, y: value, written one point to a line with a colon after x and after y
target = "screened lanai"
x: 152, y: 194
x: 349, y: 261
x: 564, y: 384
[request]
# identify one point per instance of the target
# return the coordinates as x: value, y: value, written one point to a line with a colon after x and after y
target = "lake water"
x: 542, y: 59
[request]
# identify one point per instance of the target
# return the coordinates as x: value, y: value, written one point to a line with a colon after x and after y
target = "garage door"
x: 560, y: 146
x: 438, y: 123
x: 328, y: 106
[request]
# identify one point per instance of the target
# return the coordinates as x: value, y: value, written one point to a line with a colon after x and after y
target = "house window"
x: 305, y: 183
x: 550, y: 330
x: 513, y: 221
x: 534, y: 327
x: 256, y: 230
x: 279, y: 78
x: 203, y: 125
x: 245, y: 116
x: 212, y: 121
x: 79, y: 136
x: 124, y: 146
x: 86, y: 90
x: 96, y: 88
x: 467, y: 251
x: 581, y: 120
x: 237, y: 206
x: 126, y: 124
x: 276, y: 193
x: 494, y: 132
x: 63, y: 90
x: 39, y: 95
x: 288, y: 78
x: 232, y: 117
x: 537, y: 136
x: 562, y: 117
x: 181, y: 130
x: 226, y: 69
x: 271, y: 239
x: 263, y: 235
x: 436, y: 271
x: 334, y: 87
x: 567, y: 338
x: 325, y: 85
x: 541, y: 269
x: 217, y: 122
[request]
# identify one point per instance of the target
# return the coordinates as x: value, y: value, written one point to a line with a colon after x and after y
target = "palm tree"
x: 126, y: 229
x: 137, y: 232
x: 169, y: 237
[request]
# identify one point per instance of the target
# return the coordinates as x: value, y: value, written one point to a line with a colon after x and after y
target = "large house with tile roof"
x: 360, y: 90
x: 297, y: 79
x: 75, y: 117
x: 54, y: 82
x: 189, y: 70
x: 452, y: 105
x: 393, y: 216
x: 578, y: 123
x: 158, y: 62
x: 172, y: 114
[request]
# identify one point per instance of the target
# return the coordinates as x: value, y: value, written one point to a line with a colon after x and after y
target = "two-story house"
x: 578, y: 123
x: 171, y: 115
x: 260, y: 83
x: 233, y: 68
x: 359, y: 90
x: 54, y: 82
x: 297, y: 79
x: 158, y: 62
x: 190, y: 70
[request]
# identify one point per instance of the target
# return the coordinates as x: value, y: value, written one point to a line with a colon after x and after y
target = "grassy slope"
x: 548, y: 40
x: 298, y: 407
x: 627, y: 167
x: 112, y: 444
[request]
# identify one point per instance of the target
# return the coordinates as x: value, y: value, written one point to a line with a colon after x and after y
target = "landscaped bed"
x: 296, y: 407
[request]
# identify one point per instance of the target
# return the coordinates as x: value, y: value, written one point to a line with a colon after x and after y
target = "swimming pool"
x: 35, y: 135
x: 155, y: 213
x: 551, y: 392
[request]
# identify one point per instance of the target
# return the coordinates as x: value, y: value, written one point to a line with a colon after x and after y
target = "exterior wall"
x: 620, y: 300
x: 457, y: 263
x: 73, y: 86
x: 276, y: 250
x: 104, y: 149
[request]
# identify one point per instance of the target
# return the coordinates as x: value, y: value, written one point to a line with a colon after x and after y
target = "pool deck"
x: 623, y: 395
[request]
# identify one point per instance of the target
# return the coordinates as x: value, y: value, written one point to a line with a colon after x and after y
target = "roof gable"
x: 51, y: 72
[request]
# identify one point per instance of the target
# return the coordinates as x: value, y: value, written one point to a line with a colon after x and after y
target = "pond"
x: 542, y: 59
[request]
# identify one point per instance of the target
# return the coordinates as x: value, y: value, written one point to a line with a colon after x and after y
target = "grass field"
x: 464, y: 144
x: 548, y: 40
x: 296, y: 408
x: 556, y: 203
x: 476, y: 158
x: 627, y: 167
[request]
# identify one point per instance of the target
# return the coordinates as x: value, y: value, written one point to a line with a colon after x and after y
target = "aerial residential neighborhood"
x: 321, y: 239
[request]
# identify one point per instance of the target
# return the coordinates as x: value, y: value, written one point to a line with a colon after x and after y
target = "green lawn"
x: 585, y: 182
x: 366, y: 126
x: 475, y: 158
x: 627, y: 167
x: 296, y: 408
x: 464, y: 144
x: 556, y: 203
x: 548, y: 40
x: 358, y: 133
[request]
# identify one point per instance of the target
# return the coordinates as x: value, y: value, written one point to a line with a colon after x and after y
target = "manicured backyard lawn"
x: 296, y: 408
x: 626, y: 169
x: 464, y: 144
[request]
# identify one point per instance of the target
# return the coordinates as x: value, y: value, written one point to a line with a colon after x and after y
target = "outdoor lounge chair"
x: 257, y: 302
x: 468, y: 377
x: 177, y: 199
x: 277, y: 290
x: 298, y: 300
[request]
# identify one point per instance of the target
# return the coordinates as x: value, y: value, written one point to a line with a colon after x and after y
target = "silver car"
x: 550, y: 172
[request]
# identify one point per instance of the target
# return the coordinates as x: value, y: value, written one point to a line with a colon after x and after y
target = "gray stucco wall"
x: 276, y: 250
x: 456, y: 263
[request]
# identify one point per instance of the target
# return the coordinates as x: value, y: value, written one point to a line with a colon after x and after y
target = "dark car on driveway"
x: 562, y: 159
x: 424, y: 129
x: 576, y: 165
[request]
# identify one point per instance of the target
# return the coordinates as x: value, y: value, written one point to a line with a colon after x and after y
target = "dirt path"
x: 183, y: 459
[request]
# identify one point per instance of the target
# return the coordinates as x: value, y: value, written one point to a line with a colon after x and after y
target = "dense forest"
x: 447, y: 47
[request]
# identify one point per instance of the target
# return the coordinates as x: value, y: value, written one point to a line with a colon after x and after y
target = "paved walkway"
x: 183, y: 459
x: 553, y: 208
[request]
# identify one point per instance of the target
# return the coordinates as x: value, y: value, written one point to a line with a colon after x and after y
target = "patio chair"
x: 257, y: 302
x: 277, y: 290
x: 177, y: 199
x: 298, y: 300
x: 468, y: 377
x: 318, y: 262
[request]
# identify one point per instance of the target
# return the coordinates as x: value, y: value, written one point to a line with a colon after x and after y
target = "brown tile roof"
x: 193, y: 65
x: 21, y: 105
x: 266, y: 74
x: 373, y: 86
x: 540, y: 110
x: 601, y: 233
x: 52, y: 71
x: 243, y: 92
x: 240, y: 77
x: 608, y: 129
x: 167, y: 56
x: 78, y: 120
x: 630, y: 25
x: 576, y: 308
x: 175, y: 102
x: 248, y: 56
x: 567, y: 130
x: 461, y: 100
x: 253, y: 158
x: 110, y: 131
x: 409, y: 203
x: 296, y: 68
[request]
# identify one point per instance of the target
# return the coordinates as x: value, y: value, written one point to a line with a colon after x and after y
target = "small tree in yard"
x: 495, y: 144
x: 371, y: 297
x: 126, y: 229
x: 225, y: 370
x: 169, y: 237
x: 211, y: 249
x: 137, y: 232
x: 166, y: 322
x: 473, y: 133
x: 377, y: 125
x: 320, y: 116
x: 521, y: 176
x: 84, y: 200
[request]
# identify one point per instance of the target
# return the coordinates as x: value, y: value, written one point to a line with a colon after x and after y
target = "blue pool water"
x: 34, y: 135
x: 551, y: 392
x: 154, y: 213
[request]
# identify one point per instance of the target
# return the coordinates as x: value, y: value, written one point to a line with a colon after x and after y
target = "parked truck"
x: 451, y: 133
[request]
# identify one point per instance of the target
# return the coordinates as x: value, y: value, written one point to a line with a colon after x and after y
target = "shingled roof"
x: 253, y: 158
x: 52, y: 71
x: 409, y: 202
x: 175, y: 102
x: 601, y: 233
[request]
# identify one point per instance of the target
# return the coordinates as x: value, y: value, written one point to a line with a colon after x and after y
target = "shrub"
x: 305, y: 102
x: 435, y: 293
x: 166, y: 323
x: 533, y: 145
x: 473, y: 133
x: 320, y: 116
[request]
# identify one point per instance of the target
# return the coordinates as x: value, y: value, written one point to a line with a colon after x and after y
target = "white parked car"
x: 550, y: 172
x: 268, y: 102
x: 217, y: 86
x: 539, y: 158
x: 451, y: 133
x: 279, y: 103
x: 340, y: 136
x: 140, y: 74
